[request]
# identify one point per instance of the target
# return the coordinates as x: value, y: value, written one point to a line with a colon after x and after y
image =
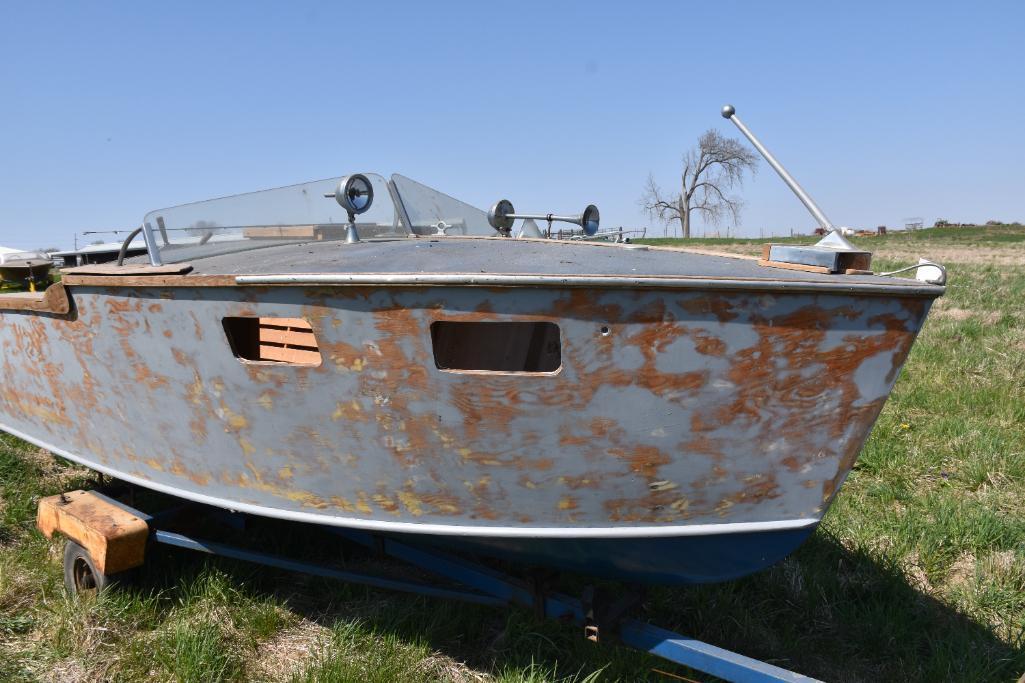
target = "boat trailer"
x: 105, y: 537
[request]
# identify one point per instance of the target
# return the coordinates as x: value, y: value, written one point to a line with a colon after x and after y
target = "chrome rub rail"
x: 907, y: 287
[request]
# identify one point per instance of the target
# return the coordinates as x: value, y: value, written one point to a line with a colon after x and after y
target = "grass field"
x: 917, y: 574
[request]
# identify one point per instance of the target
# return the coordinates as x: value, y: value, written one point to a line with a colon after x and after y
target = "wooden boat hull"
x: 692, y: 435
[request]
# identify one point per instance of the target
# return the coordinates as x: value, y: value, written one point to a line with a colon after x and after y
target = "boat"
x: 27, y: 269
x: 373, y: 354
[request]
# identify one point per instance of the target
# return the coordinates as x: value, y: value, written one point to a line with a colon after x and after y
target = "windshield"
x: 432, y: 212
x: 302, y: 213
x: 293, y: 214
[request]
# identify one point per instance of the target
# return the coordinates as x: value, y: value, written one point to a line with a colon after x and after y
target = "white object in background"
x: 929, y: 272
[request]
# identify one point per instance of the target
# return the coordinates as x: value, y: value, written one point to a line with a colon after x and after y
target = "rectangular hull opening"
x: 288, y: 341
x: 525, y: 347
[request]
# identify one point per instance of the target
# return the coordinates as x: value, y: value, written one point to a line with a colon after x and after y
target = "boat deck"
x: 450, y: 255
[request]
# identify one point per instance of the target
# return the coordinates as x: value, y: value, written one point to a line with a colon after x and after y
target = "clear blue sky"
x: 882, y: 110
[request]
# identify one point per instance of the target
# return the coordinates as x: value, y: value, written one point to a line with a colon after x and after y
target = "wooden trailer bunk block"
x: 114, y: 538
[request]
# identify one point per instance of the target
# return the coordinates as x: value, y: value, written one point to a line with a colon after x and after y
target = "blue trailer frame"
x: 484, y: 586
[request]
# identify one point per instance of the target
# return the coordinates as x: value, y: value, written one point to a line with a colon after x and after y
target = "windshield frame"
x: 153, y: 231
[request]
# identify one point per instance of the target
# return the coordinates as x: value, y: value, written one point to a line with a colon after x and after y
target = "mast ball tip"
x: 728, y: 111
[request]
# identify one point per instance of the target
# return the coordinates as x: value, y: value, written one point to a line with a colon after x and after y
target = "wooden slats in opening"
x: 273, y: 340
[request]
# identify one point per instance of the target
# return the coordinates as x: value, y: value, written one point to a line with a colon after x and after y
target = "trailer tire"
x: 80, y: 574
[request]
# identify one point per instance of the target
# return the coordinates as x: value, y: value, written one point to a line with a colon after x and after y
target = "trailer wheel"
x: 80, y: 574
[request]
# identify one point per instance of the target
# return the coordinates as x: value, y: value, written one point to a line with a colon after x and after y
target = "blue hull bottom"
x: 679, y: 560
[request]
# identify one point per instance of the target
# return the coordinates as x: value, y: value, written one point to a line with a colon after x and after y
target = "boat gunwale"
x: 52, y: 300
x: 410, y: 279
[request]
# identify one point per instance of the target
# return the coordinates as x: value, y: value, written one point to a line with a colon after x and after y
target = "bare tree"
x: 710, y: 171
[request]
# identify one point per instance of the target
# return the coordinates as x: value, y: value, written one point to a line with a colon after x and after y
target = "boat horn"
x: 355, y: 194
x: 502, y: 215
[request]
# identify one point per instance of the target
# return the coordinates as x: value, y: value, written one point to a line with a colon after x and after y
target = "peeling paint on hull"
x: 697, y: 412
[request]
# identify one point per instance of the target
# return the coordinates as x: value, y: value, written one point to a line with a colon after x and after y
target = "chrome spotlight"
x: 355, y: 194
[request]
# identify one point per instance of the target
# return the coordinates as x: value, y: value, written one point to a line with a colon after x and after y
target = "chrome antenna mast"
x: 728, y: 112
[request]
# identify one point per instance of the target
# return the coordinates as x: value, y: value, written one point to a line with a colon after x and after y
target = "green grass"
x: 917, y: 574
x: 1007, y: 235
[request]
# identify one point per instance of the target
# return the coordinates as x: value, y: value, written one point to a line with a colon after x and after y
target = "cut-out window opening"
x: 497, y: 346
x: 287, y: 341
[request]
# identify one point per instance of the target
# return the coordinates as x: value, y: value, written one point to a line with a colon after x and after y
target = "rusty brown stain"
x: 708, y: 345
x: 709, y: 304
x: 792, y: 463
x: 898, y: 328
x: 643, y: 460
x: 567, y: 438
x: 588, y: 480
x: 660, y: 507
x: 527, y: 482
x: 255, y: 480
x: 705, y: 445
x: 266, y: 399
x: 601, y: 426
x: 197, y: 326
x: 343, y: 504
x: 442, y: 503
x: 757, y: 489
x: 144, y: 375
x: 700, y: 422
x: 269, y: 374
x: 386, y: 503
x: 349, y: 410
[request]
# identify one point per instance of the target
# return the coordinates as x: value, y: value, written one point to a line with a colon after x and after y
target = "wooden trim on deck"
x: 123, y: 271
x: 603, y: 244
x: 151, y: 280
x: 795, y: 266
x: 53, y: 300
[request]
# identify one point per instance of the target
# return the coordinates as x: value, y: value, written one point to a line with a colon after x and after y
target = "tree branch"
x: 710, y: 170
